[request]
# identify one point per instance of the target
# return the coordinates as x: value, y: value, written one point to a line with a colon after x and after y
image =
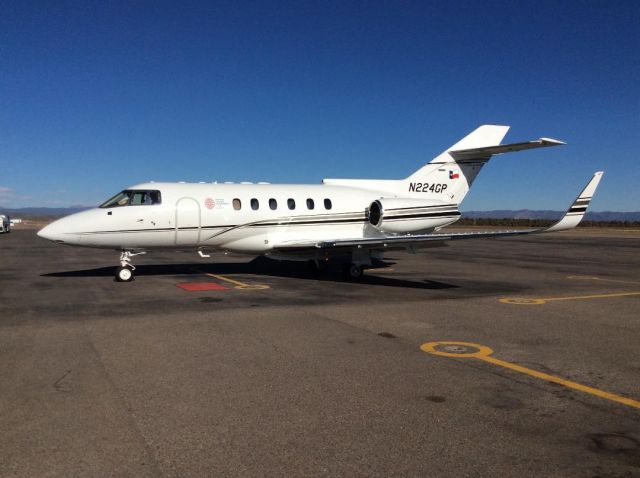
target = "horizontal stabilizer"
x: 488, y: 151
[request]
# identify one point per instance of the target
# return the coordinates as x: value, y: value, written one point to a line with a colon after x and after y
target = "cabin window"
x: 327, y: 204
x: 255, y: 204
x: 237, y: 205
x: 310, y: 204
x: 273, y: 204
x: 291, y: 203
x: 136, y: 197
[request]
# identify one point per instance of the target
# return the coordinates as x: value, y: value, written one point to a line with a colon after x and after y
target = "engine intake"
x: 404, y: 215
x: 376, y: 212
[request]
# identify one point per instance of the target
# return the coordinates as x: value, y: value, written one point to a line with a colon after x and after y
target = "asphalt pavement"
x: 231, y: 366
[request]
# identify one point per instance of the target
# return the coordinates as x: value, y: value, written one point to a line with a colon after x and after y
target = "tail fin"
x: 449, y: 176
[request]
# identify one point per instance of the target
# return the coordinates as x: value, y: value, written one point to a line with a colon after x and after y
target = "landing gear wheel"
x: 353, y: 271
x: 124, y: 274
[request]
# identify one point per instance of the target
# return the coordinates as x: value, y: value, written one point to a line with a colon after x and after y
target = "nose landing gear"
x: 124, y: 273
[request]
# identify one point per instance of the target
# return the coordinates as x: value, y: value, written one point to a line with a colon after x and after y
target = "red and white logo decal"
x: 209, y: 203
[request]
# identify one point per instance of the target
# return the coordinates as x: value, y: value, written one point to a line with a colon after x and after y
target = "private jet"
x: 354, y: 220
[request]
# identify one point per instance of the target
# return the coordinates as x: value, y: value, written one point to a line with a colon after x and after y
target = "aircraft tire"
x: 353, y: 271
x: 124, y: 274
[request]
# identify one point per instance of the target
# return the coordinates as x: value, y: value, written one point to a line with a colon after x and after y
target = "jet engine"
x: 405, y: 215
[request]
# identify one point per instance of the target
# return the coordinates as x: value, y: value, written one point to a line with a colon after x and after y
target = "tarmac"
x: 237, y: 367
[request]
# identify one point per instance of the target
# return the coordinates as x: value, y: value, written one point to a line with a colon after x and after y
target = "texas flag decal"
x: 454, y: 175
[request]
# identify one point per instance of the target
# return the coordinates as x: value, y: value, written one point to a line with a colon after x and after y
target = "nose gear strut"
x: 124, y: 273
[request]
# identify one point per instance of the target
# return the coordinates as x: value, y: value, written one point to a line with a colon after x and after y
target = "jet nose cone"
x: 50, y: 232
x: 45, y: 232
x: 65, y: 230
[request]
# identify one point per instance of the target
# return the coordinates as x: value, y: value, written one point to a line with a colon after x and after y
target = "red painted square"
x: 200, y: 286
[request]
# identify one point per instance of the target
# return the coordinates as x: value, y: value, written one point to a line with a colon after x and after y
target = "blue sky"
x: 96, y: 96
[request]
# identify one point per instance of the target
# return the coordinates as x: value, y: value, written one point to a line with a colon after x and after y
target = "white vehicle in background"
x: 352, y: 220
x: 5, y: 223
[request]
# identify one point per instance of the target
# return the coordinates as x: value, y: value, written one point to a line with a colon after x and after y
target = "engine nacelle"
x: 405, y: 215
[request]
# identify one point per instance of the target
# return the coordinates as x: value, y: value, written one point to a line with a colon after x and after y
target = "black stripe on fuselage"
x: 288, y: 223
x: 422, y: 216
x: 420, y: 211
x: 230, y: 226
x: 165, y: 229
x: 304, y: 223
x: 422, y: 207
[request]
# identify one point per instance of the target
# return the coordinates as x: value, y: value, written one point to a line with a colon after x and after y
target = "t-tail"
x: 449, y: 176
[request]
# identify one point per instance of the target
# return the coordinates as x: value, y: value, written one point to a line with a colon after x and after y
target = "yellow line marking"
x: 238, y: 284
x: 482, y: 352
x: 602, y: 280
x: 594, y: 296
x: 539, y: 301
x: 378, y: 271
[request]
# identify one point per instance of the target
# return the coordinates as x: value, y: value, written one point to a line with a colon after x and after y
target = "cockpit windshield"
x: 130, y: 197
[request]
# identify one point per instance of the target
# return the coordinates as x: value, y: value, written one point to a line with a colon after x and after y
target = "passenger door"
x: 187, y: 222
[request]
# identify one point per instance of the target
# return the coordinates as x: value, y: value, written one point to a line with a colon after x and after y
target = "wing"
x: 571, y: 219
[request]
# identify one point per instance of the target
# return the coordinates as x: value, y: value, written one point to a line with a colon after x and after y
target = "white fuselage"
x: 221, y: 216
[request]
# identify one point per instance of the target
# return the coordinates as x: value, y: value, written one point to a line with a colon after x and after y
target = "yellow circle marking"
x: 522, y: 301
x: 482, y: 352
x: 252, y: 287
x: 456, y: 349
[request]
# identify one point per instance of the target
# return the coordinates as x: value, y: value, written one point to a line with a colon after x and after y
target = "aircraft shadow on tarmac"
x: 259, y: 267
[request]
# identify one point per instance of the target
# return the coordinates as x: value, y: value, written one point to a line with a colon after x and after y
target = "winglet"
x: 579, y: 207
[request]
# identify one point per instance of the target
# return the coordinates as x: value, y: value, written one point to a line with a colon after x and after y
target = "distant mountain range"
x: 42, y: 211
x: 497, y: 214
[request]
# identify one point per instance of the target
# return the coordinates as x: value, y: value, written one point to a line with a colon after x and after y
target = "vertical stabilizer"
x: 448, y: 179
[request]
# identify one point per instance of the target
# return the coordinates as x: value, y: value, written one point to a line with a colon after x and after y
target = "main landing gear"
x: 353, y: 263
x: 353, y: 271
x: 360, y: 259
x: 124, y: 273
